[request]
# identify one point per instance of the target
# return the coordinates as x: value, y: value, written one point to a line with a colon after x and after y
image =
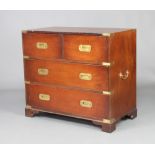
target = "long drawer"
x: 85, y: 76
x: 67, y: 101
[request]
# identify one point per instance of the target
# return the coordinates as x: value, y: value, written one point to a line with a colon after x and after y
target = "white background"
x: 13, y: 22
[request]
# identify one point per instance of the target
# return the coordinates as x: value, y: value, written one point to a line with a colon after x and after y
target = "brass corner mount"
x: 109, y: 121
x: 106, y: 34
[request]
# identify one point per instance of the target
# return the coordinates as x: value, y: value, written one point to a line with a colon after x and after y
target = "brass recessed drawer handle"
x: 86, y: 103
x: 41, y: 45
x: 85, y: 48
x: 43, y: 71
x: 85, y: 76
x: 124, y: 76
x: 44, y: 97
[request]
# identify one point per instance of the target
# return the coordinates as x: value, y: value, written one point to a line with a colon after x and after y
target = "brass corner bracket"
x: 28, y: 107
x: 27, y: 82
x: 26, y: 57
x: 106, y: 92
x: 109, y: 121
x: 106, y: 64
x: 106, y: 34
x: 24, y: 31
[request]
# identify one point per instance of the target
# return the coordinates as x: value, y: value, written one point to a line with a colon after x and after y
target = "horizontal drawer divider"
x: 104, y: 92
x: 104, y: 64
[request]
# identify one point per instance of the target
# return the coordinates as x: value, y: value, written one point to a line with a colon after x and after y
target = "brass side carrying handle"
x: 124, y: 76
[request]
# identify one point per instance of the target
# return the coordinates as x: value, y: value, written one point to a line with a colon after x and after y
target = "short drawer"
x: 67, y: 101
x: 67, y: 74
x: 86, y: 48
x: 38, y: 45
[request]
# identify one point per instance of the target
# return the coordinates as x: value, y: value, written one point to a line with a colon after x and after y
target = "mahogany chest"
x: 86, y: 73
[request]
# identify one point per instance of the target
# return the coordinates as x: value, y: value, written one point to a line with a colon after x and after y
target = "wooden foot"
x: 133, y: 114
x: 30, y: 112
x: 108, y: 127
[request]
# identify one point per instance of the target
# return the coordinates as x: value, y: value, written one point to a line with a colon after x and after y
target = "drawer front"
x: 42, y: 45
x: 67, y: 74
x: 68, y: 101
x: 85, y: 48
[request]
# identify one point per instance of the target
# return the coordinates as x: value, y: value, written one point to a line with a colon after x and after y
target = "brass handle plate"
x: 124, y: 76
x: 43, y: 71
x: 41, y: 45
x: 44, y: 97
x: 85, y: 103
x: 85, y: 76
x: 85, y: 48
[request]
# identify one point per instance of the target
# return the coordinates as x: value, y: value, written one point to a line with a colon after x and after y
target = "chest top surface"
x: 86, y: 30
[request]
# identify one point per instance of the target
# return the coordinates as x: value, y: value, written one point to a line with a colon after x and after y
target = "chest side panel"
x: 123, y: 73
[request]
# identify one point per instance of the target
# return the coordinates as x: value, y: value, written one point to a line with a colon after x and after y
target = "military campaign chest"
x: 86, y: 73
